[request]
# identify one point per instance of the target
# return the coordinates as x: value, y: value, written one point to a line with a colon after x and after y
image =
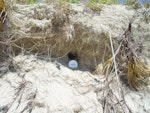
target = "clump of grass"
x: 31, y: 1
x: 104, y: 68
x: 147, y: 5
x: 75, y: 1
x: 94, y: 6
x: 137, y: 70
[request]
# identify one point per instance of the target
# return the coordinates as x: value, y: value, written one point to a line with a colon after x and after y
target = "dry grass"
x: 136, y: 69
x: 58, y: 37
x: 94, y: 6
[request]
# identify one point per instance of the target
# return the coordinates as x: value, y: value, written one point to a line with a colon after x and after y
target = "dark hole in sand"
x: 72, y: 56
x: 65, y: 60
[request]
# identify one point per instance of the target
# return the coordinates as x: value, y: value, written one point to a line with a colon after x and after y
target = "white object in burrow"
x: 73, y: 64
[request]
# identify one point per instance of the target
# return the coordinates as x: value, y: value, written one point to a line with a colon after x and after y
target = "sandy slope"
x: 50, y: 87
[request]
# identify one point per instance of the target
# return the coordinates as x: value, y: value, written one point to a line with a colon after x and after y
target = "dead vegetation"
x: 95, y: 7
x: 136, y: 69
x: 56, y: 37
x: 60, y: 37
